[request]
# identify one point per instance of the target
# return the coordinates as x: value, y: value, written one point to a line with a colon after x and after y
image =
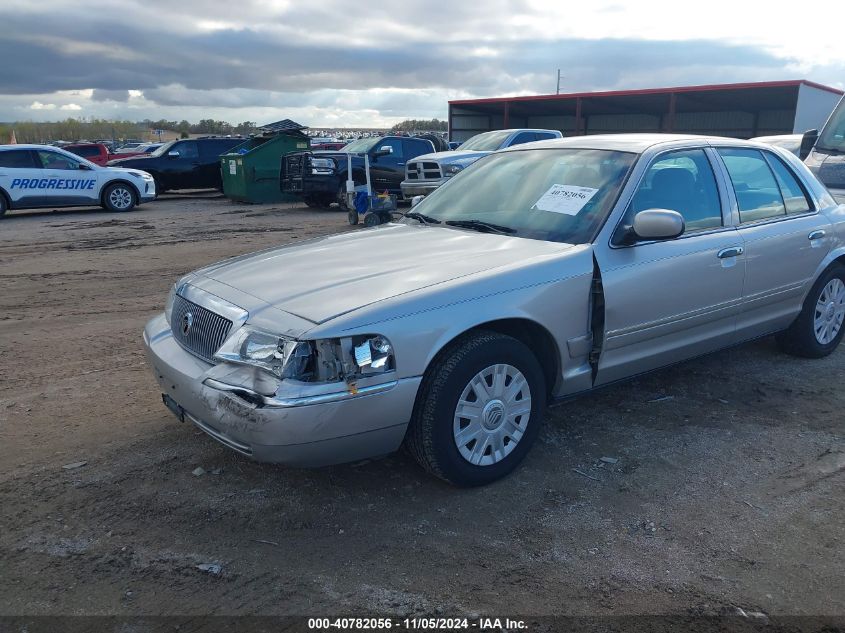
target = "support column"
x: 579, y: 122
x: 669, y: 124
x: 507, y: 116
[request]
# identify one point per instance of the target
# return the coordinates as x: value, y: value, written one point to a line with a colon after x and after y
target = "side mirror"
x: 658, y: 224
x: 384, y: 150
x: 807, y: 142
x: 416, y: 200
x: 173, y: 154
x: 84, y: 167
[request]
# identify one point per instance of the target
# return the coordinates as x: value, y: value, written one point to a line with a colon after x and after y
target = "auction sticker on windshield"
x: 568, y: 199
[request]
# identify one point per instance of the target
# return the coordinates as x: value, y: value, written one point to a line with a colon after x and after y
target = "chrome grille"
x: 423, y: 170
x: 198, y: 329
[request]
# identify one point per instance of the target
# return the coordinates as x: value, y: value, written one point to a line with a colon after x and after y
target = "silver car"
x: 540, y: 272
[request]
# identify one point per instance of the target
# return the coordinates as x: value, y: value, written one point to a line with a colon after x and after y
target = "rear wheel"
x: 819, y: 328
x: 119, y: 197
x: 479, y: 409
x: 4, y: 206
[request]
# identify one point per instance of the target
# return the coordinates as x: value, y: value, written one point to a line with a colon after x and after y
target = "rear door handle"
x: 816, y: 235
x: 400, y: 164
x: 733, y: 251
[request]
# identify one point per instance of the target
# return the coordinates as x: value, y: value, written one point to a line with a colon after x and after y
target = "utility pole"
x: 558, y: 81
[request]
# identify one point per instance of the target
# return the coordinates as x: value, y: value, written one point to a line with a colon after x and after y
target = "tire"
x: 819, y: 328
x: 340, y: 197
x: 436, y: 425
x: 119, y: 198
x: 318, y: 202
x: 372, y: 219
x: 159, y: 186
x: 4, y: 206
x: 352, y: 216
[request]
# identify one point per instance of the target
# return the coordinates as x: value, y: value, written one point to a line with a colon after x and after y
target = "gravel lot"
x: 727, y: 492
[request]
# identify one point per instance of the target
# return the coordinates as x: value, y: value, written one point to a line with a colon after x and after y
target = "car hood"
x: 125, y: 170
x: 324, y: 278
x: 457, y: 156
x: 131, y: 161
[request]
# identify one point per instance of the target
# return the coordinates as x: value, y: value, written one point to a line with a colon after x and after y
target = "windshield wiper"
x: 481, y: 225
x: 425, y: 219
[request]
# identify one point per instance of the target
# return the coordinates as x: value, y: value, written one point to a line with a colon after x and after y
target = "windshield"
x: 833, y: 133
x: 558, y: 195
x: 487, y: 142
x: 361, y: 146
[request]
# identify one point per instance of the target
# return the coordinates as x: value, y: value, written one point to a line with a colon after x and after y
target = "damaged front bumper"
x: 310, y: 425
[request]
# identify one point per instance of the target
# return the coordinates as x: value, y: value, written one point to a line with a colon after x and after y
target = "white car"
x: 37, y: 176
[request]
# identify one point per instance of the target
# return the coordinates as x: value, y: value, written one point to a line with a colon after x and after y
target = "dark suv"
x: 184, y: 164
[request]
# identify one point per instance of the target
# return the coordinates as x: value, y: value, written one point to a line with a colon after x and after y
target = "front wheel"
x: 119, y: 197
x: 818, y: 330
x: 479, y: 409
x: 3, y: 205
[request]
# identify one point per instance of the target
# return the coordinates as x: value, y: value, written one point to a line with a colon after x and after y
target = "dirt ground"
x: 727, y: 492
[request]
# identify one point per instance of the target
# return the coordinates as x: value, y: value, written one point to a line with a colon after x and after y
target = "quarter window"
x: 758, y: 195
x: 681, y: 181
x: 794, y: 196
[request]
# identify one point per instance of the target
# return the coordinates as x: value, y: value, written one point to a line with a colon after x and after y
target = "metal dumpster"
x: 251, y: 170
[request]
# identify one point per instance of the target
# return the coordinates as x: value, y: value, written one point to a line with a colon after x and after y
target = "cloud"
x: 380, y: 60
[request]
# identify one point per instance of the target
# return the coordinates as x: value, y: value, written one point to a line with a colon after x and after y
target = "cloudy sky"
x: 375, y: 62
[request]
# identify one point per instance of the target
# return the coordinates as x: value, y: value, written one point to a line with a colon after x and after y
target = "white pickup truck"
x: 426, y: 173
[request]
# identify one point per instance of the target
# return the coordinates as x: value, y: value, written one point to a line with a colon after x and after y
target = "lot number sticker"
x: 567, y: 199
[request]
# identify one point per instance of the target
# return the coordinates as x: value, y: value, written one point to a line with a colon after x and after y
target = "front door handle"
x: 400, y: 164
x: 816, y: 235
x: 733, y: 251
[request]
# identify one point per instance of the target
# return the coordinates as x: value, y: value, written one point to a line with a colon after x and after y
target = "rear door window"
x: 17, y: 158
x: 758, y: 195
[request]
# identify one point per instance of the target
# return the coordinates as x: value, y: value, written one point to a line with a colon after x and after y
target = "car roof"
x: 31, y: 146
x: 635, y: 143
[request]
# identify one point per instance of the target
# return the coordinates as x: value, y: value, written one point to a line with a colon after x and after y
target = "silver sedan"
x: 538, y: 273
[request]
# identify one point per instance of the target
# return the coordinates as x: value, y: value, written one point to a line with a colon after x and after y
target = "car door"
x: 387, y: 170
x: 17, y: 170
x: 65, y: 180
x: 181, y: 166
x: 785, y: 237
x: 668, y: 300
x: 210, y: 152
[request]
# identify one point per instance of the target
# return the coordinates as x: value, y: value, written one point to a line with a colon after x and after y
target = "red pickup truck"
x: 99, y: 154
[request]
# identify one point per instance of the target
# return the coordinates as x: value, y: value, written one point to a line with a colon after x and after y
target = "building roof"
x: 752, y: 86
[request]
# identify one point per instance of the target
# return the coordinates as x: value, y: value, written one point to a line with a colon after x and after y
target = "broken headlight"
x: 281, y: 356
x: 322, y: 360
x: 373, y: 355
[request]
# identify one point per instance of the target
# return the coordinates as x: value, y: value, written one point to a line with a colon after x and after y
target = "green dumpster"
x: 251, y: 169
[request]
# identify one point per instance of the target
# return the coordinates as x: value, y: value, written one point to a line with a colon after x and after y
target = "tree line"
x: 92, y: 129
x: 420, y: 125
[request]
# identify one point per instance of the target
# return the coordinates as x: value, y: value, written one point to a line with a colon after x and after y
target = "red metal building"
x: 740, y: 110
